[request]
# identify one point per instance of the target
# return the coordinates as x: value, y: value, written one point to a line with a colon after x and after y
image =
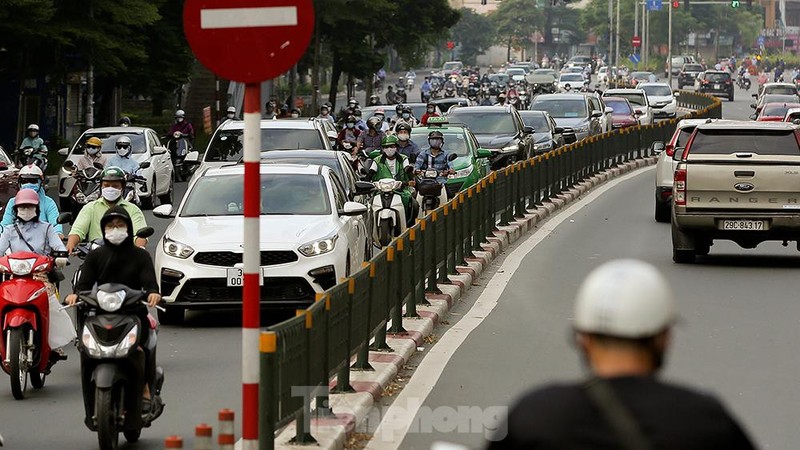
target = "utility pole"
x: 90, y: 84
x: 610, y: 31
x: 669, y: 48
x: 617, y: 46
x: 636, y: 29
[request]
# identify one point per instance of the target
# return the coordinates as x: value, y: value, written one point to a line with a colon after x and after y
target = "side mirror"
x: 753, y: 116
x: 658, y: 147
x: 755, y: 95
x: 528, y: 129
x: 145, y: 232
x: 353, y: 209
x: 69, y: 165
x: 164, y: 211
x: 796, y: 121
x: 144, y: 164
x: 678, y: 156
x: 192, y: 156
x: 609, y: 110
x: 332, y: 135
x: 484, y: 153
x: 559, y: 130
x: 63, y: 151
x: 364, y: 187
x: 3, y: 166
x: 65, y: 217
x: 452, y: 157
x: 676, y: 94
x: 637, y: 112
x: 159, y: 150
x: 596, y: 114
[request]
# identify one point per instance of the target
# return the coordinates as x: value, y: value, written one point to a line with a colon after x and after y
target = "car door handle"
x: 744, y: 173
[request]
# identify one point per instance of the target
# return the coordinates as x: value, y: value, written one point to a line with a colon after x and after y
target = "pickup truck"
x: 738, y: 181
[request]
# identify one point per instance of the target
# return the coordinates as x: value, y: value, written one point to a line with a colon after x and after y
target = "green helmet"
x: 113, y: 174
x: 389, y: 141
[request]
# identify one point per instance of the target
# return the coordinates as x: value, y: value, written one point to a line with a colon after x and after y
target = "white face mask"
x: 390, y: 151
x: 111, y: 194
x: 403, y: 136
x: 294, y: 116
x: 406, y: 115
x: 26, y: 213
x: 116, y: 235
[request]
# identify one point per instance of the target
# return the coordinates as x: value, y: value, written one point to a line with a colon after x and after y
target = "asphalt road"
x: 737, y: 338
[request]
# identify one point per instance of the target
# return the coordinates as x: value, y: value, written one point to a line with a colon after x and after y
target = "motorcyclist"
x: 122, y: 158
x: 425, y: 89
x: 490, y: 70
x: 35, y: 141
x: 406, y: 117
x: 501, y: 99
x: 430, y: 111
x: 371, y: 140
x: 405, y: 145
x: 182, y: 125
x: 349, y: 133
x: 31, y: 177
x: 381, y: 114
x: 87, y: 223
x: 435, y: 157
x: 29, y: 233
x: 92, y: 153
x: 120, y: 261
x: 360, y: 123
x: 486, y: 99
x: 124, y: 121
x: 374, y: 100
x: 230, y: 114
x: 325, y: 114
x: 393, y: 164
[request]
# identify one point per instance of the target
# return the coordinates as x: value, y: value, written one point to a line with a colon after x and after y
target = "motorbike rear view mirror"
x: 96, y: 165
x: 65, y: 217
x: 364, y: 187
x: 164, y: 211
x: 145, y: 232
x: 69, y: 165
x: 144, y: 164
x: 452, y: 157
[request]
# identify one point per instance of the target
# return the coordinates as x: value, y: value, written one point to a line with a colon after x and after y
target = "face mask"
x: 406, y: 115
x: 430, y: 110
x: 230, y: 116
x: 435, y: 143
x: 33, y: 186
x: 294, y: 116
x: 26, y: 214
x: 122, y: 151
x: 111, y: 194
x: 390, y: 151
x: 116, y: 235
x: 92, y: 150
x: 403, y: 137
x: 351, y: 125
x: 179, y: 120
x: 324, y: 113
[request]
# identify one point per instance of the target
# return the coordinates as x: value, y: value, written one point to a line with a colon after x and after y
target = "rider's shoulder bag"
x: 617, y: 415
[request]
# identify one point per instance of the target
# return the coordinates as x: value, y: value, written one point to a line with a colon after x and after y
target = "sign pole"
x: 252, y: 265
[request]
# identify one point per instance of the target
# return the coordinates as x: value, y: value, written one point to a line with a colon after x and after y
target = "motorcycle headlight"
x: 386, y: 185
x: 177, y: 249
x: 21, y: 267
x: 110, y: 301
x: 543, y: 146
x: 97, y: 350
x: 319, y: 247
x: 465, y: 172
x: 510, y: 148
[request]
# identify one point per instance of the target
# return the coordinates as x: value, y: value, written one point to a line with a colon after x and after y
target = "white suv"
x: 638, y: 100
x: 311, y: 236
x: 663, y: 100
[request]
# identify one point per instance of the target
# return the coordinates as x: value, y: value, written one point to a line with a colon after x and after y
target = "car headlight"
x: 97, y: 350
x: 110, y: 301
x: 319, y: 247
x: 581, y: 129
x: 465, y: 172
x: 511, y: 148
x: 176, y: 249
x: 543, y: 146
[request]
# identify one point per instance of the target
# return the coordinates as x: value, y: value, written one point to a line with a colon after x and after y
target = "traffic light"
x: 676, y: 4
x: 735, y: 3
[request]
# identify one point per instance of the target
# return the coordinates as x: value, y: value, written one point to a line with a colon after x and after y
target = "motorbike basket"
x: 429, y: 188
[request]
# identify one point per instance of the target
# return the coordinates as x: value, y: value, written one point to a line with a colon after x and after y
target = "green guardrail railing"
x: 308, y: 356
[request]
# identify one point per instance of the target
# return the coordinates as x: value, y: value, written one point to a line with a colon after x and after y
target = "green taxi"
x: 472, y: 163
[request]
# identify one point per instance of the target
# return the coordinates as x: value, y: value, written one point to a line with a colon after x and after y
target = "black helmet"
x: 121, y: 213
x: 125, y: 121
x: 402, y: 126
x: 399, y: 108
x: 407, y: 109
x: 374, y: 123
x: 431, y: 104
x: 435, y: 134
x: 351, y: 118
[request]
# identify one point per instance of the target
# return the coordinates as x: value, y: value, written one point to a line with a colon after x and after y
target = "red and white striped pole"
x: 251, y: 295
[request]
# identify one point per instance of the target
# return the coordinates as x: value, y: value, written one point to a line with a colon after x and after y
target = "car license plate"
x: 716, y: 86
x: 235, y: 277
x: 743, y: 225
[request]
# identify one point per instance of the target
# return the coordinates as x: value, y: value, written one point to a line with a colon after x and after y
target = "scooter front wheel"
x: 19, y: 375
x: 106, y: 410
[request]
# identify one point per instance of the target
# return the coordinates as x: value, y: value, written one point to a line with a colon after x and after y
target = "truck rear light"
x: 679, y: 187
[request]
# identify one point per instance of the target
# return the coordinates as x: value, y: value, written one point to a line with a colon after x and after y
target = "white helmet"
x: 180, y: 113
x: 624, y: 298
x: 31, y: 171
x: 33, y: 127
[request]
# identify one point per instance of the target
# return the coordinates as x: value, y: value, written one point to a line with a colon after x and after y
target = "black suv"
x: 499, y: 129
x: 716, y: 82
x: 688, y: 75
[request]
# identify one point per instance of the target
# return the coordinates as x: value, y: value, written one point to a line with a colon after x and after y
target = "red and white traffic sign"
x: 249, y: 41
x: 636, y: 41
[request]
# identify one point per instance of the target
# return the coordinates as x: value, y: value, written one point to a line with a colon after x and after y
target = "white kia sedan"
x: 311, y: 236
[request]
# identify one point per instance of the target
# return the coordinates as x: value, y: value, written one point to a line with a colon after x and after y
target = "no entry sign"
x: 636, y: 41
x: 248, y: 40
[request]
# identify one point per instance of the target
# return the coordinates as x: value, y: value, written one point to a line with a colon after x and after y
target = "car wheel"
x: 663, y: 212
x: 168, y: 198
x: 150, y: 201
x: 730, y: 97
x: 171, y: 315
x: 683, y: 256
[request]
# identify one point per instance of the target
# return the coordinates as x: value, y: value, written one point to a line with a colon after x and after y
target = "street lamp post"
x: 669, y: 48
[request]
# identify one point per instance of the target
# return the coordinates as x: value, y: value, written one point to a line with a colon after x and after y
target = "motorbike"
x: 449, y: 92
x: 431, y: 194
x: 114, y: 358
x: 131, y: 191
x: 388, y: 212
x: 87, y: 185
x: 402, y: 97
x: 410, y: 83
x: 25, y: 314
x: 179, y: 146
x: 28, y: 155
x: 743, y: 83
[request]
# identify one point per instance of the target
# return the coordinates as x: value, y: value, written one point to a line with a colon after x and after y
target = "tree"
x: 475, y: 33
x: 516, y: 21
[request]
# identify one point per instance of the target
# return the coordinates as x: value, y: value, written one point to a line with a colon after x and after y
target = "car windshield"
x: 451, y: 66
x: 760, y: 141
x: 562, y: 108
x: 228, y: 144
x: 277, y: 158
x: 498, y: 77
x: 657, y: 91
x: 776, y: 109
x: 619, y: 106
x: 485, y: 122
x: 716, y: 77
x: 570, y: 77
x: 536, y: 120
x: 512, y: 72
x: 634, y: 97
x: 641, y: 75
x: 281, y: 194
x: 776, y: 98
x: 692, y: 68
x: 781, y: 90
x: 110, y: 141
x: 550, y: 72
x: 454, y: 141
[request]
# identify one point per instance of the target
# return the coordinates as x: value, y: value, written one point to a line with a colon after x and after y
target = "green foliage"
x: 475, y: 33
x: 517, y: 21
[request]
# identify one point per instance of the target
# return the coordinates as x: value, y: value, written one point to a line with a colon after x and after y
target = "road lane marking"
x: 276, y: 16
x: 400, y: 415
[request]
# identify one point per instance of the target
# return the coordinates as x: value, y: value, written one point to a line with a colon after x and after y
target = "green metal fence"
x: 319, y: 347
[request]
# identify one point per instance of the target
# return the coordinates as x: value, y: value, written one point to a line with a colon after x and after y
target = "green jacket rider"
x: 389, y: 163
